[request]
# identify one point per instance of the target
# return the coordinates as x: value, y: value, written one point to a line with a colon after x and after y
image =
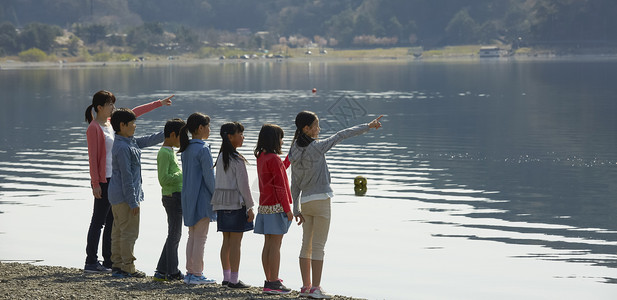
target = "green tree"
x: 186, y: 38
x: 32, y: 55
x: 569, y: 20
x: 394, y: 27
x: 91, y: 33
x: 147, y: 37
x: 74, y: 44
x: 462, y: 29
x: 487, y: 32
x: 41, y: 36
x: 364, y: 24
x: 341, y: 27
x: 8, y: 39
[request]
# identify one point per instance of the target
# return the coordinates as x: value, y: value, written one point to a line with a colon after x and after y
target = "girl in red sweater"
x: 274, y: 214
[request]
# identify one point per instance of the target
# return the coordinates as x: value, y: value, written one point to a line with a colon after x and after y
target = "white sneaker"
x: 199, y: 280
x: 317, y: 293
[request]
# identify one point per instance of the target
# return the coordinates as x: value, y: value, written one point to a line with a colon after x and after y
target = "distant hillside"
x: 339, y: 23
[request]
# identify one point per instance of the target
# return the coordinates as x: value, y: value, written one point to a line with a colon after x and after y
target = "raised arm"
x: 148, y: 107
x: 150, y: 140
x: 326, y: 144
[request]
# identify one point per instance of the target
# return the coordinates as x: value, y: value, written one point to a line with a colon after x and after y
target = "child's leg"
x: 305, y: 271
x: 126, y: 226
x: 131, y: 233
x: 321, y: 228
x: 265, y: 257
x: 273, y: 245
x: 197, y: 241
x: 307, y: 244
x: 235, y: 245
x: 168, y: 262
x: 106, y: 247
x: 109, y: 223
x: 225, y: 255
x: 116, y: 258
x: 99, y: 216
x: 230, y: 254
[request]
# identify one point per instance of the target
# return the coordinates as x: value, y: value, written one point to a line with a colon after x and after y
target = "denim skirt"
x: 233, y: 221
x: 272, y: 223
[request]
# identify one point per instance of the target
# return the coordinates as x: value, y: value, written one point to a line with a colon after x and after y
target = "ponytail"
x: 100, y: 98
x: 303, y: 119
x: 192, y: 124
x: 184, y: 139
x: 89, y: 116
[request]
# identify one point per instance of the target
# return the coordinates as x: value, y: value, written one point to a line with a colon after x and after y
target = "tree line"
x: 185, y: 25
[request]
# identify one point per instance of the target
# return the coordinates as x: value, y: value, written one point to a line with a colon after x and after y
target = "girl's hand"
x: 167, y: 101
x: 251, y: 215
x: 135, y: 211
x: 290, y: 216
x: 299, y: 219
x: 375, y: 123
x: 96, y: 191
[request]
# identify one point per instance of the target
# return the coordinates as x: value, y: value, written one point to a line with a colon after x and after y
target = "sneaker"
x: 305, y: 291
x: 177, y: 276
x: 225, y: 283
x: 239, y: 285
x: 275, y: 288
x: 118, y: 273
x: 317, y: 293
x: 193, y: 279
x: 96, y: 268
x: 137, y: 274
x: 158, y: 276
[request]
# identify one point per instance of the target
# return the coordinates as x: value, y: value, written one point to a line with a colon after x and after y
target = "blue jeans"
x: 101, y: 216
x: 168, y: 262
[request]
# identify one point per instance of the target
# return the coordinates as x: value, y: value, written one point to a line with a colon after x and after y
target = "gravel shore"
x: 28, y: 281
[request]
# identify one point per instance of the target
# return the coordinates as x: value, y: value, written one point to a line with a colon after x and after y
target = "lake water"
x: 490, y: 179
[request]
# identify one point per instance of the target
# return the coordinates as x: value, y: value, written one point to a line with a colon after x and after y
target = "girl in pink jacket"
x: 100, y: 136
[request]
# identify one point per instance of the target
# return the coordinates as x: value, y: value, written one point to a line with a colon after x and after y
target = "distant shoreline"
x: 401, y: 54
x: 11, y: 65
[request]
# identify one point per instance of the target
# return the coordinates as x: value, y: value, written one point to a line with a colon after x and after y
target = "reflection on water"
x: 494, y: 155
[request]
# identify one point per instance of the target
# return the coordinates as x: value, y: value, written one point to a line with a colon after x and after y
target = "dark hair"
x: 192, y: 123
x: 269, y: 140
x: 100, y: 98
x: 227, y: 149
x: 173, y: 125
x: 304, y: 118
x: 121, y: 115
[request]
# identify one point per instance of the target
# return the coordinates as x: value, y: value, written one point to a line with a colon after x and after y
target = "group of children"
x: 193, y: 193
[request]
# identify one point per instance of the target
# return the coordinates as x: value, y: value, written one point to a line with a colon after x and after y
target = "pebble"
x: 29, y: 281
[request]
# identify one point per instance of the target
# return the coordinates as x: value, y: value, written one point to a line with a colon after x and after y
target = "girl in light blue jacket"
x: 197, y: 190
